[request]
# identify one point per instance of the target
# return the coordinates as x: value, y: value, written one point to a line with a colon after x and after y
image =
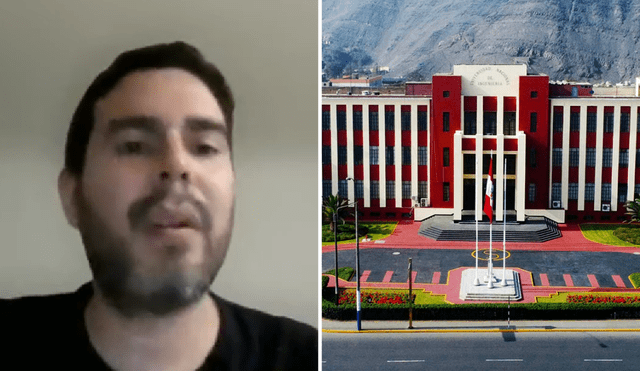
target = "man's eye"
x: 131, y: 148
x: 205, y: 149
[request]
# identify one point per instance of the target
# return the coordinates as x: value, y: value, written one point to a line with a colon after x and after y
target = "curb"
x: 473, y: 331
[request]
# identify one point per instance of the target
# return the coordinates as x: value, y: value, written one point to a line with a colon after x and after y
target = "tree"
x: 633, y: 210
x: 330, y: 206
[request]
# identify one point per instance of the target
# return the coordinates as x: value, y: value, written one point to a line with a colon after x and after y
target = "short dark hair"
x: 175, y: 55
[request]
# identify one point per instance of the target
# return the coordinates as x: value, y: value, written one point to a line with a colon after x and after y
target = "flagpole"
x: 476, y: 282
x: 504, y: 223
x: 490, y: 265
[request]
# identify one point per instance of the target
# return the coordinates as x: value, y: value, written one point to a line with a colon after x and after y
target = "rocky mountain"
x: 592, y: 40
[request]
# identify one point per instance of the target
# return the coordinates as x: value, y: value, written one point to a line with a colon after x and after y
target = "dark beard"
x: 130, y: 292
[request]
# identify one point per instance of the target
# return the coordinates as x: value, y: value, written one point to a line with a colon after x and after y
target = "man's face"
x: 155, y: 200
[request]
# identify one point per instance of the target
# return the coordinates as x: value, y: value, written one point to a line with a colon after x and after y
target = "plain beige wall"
x: 50, y: 51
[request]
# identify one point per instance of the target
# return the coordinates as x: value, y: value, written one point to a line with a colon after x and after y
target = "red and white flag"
x: 488, y: 197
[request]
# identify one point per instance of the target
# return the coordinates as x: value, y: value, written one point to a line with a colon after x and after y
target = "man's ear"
x: 67, y: 188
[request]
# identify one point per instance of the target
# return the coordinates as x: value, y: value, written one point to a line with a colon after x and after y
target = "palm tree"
x: 330, y: 206
x: 633, y: 210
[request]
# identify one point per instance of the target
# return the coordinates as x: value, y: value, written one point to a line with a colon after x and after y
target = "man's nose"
x: 174, y: 163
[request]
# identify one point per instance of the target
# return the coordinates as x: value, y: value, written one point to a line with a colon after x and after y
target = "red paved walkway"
x: 406, y: 236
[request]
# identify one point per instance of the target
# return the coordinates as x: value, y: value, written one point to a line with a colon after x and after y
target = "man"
x: 148, y: 181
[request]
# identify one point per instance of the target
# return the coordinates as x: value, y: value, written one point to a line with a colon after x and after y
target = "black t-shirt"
x: 48, y: 332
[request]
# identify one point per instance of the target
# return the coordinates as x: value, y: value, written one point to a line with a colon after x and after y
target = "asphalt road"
x: 481, y: 351
x: 552, y: 263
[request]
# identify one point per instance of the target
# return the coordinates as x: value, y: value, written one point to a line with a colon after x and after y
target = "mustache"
x: 138, y: 213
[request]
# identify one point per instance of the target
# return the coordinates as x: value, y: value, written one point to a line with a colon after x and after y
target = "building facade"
x: 558, y: 151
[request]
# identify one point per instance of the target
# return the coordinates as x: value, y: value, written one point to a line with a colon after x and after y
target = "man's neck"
x: 149, y: 342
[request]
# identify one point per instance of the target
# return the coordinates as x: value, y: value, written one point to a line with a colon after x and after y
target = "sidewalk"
x: 332, y: 326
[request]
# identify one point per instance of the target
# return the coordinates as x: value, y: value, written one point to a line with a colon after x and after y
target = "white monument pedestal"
x: 511, y: 291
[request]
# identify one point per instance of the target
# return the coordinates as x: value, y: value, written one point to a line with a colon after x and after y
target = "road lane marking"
x: 603, y: 360
x: 618, y: 280
x: 504, y: 360
x: 387, y: 276
x: 592, y: 280
x: 568, y: 280
x: 544, y: 279
x: 365, y: 276
x: 436, y: 277
x: 413, y: 276
x: 405, y: 360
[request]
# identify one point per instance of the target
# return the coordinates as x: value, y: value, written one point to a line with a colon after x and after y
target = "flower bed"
x: 349, y: 297
x: 601, y: 299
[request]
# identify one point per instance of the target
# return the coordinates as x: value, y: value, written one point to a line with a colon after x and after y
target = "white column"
x: 350, y: 171
x: 615, y: 161
x: 499, y: 162
x: 566, y: 129
x: 397, y: 110
x: 382, y: 150
x: 429, y: 154
x: 521, y: 167
x: 583, y: 156
x: 479, y: 150
x: 414, y: 152
x: 633, y: 145
x: 458, y: 171
x: 334, y: 148
x: 366, y: 161
x: 598, y: 178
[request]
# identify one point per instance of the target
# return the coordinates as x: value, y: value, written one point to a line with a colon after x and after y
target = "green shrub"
x: 635, y: 279
x: 325, y: 281
x: 344, y: 273
x: 628, y: 233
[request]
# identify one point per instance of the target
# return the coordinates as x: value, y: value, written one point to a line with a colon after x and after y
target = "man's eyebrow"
x: 148, y: 124
x: 205, y: 124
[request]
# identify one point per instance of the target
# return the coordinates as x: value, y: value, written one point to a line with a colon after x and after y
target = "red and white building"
x: 570, y: 155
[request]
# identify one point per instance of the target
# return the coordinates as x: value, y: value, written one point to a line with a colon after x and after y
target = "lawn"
x: 603, y: 233
x: 377, y: 231
x: 561, y: 297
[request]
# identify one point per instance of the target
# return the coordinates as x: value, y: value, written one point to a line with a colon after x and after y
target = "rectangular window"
x: 326, y: 188
x: 509, y: 123
x: 326, y: 155
x: 373, y: 155
x: 574, y: 121
x: 533, y: 122
x: 557, y: 122
x: 342, y: 155
x: 636, y: 191
x: 342, y: 120
x: 343, y: 188
x: 445, y: 94
x: 533, y: 161
x: 638, y: 155
x: 592, y: 122
x: 405, y: 120
x: 591, y: 157
x: 389, y: 120
x: 622, y: 192
x: 606, y: 193
x: 445, y: 121
x: 422, y: 120
x: 589, y: 191
x: 573, y: 191
x: 511, y: 164
x: 469, y: 160
x: 445, y: 157
x: 422, y: 156
x: 607, y: 157
x: 534, y: 94
x: 574, y: 157
x: 374, y: 190
x: 624, y: 158
x: 557, y: 157
x: 406, y: 155
x: 373, y: 121
x: 406, y: 190
x: 391, y: 189
x: 359, y: 189
x: 608, y: 122
x: 326, y: 120
x: 390, y: 156
x: 357, y: 155
x: 624, y: 122
x: 423, y: 189
x: 489, y: 123
x: 532, y: 192
x: 470, y: 123
x: 357, y: 120
x: 556, y: 191
x: 445, y: 191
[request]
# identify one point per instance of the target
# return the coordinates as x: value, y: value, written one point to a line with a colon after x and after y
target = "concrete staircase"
x: 540, y: 230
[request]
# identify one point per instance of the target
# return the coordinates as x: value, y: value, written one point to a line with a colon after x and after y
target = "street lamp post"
x: 358, y: 300
x: 335, y: 239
